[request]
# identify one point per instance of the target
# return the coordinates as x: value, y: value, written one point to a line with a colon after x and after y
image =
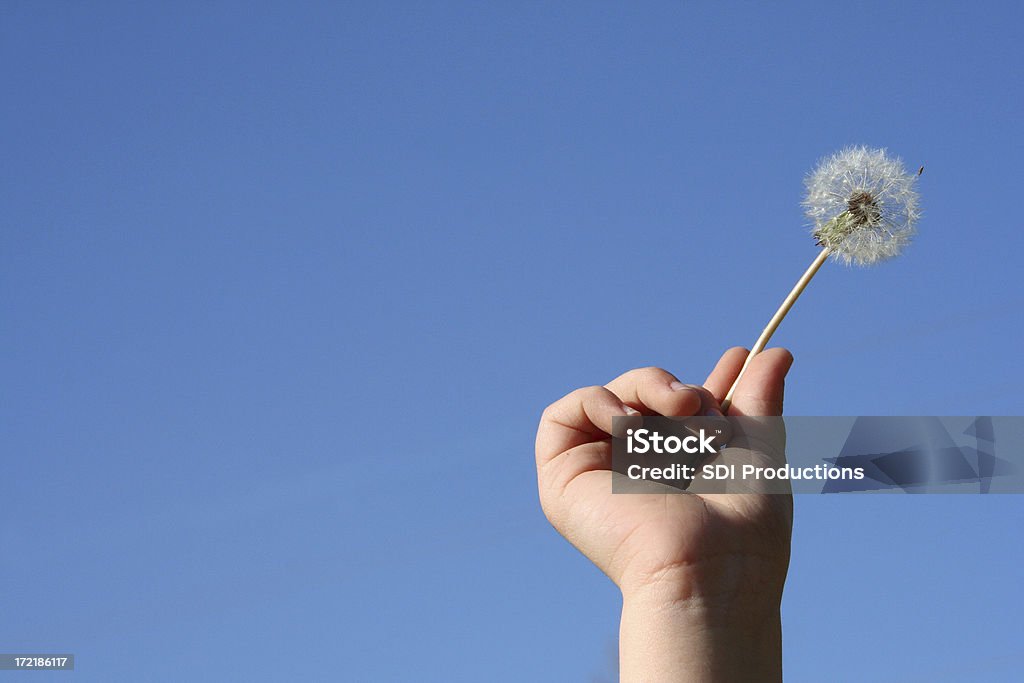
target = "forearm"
x: 662, y: 641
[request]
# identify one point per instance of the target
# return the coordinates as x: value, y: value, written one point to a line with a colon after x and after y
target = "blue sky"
x: 284, y: 288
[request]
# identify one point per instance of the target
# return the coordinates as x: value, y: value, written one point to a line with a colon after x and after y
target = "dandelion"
x: 862, y: 204
x: 863, y: 207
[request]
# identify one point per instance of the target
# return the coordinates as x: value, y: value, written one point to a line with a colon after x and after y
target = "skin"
x: 701, y: 575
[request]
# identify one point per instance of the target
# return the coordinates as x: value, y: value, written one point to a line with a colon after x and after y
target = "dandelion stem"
x: 776, y: 320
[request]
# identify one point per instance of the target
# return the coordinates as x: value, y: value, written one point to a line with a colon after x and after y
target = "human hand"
x: 697, y: 564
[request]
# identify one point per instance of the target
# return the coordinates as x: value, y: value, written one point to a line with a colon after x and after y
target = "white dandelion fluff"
x: 863, y: 208
x: 862, y: 204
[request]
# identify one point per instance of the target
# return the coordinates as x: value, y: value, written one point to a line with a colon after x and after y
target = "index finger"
x: 582, y: 416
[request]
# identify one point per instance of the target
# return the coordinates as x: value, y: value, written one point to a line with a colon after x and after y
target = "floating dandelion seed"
x: 863, y: 207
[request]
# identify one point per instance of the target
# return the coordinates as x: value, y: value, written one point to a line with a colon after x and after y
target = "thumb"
x: 760, y: 391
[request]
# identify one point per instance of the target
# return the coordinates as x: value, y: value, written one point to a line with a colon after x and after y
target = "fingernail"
x: 677, y: 386
x: 630, y: 411
x: 713, y: 412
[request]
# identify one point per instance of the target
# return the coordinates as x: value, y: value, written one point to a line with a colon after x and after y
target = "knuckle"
x: 590, y: 393
x: 649, y: 373
x: 581, y: 395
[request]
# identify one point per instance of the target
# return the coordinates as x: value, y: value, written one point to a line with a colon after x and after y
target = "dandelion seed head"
x: 862, y: 205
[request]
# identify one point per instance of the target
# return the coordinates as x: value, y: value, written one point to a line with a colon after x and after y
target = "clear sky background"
x: 284, y: 288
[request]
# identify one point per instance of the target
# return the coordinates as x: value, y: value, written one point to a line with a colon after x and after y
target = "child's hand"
x: 711, y: 565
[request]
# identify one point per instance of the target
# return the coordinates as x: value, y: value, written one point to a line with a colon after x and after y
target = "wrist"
x: 665, y: 637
